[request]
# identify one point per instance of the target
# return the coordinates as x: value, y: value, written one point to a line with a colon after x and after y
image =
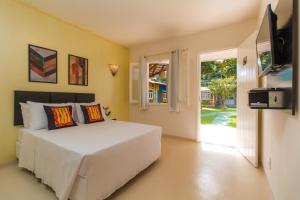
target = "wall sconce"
x: 114, y: 69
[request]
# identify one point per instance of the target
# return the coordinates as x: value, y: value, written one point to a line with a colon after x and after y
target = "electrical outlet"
x: 270, y: 164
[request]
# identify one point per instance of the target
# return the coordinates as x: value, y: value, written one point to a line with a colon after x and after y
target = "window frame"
x: 164, y: 61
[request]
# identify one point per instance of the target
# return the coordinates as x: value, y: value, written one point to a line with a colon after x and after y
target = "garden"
x: 219, y: 78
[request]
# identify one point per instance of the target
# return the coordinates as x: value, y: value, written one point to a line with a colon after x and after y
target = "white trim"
x: 198, y: 99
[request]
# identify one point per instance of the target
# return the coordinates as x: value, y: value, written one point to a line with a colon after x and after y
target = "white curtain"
x: 173, y: 81
x: 177, y: 79
x: 143, y: 85
x: 183, y: 76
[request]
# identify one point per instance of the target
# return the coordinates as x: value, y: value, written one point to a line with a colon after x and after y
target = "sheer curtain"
x: 173, y: 81
x: 183, y: 76
x: 143, y: 85
x: 177, y: 79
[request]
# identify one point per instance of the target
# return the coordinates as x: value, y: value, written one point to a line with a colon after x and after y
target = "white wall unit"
x: 247, y: 119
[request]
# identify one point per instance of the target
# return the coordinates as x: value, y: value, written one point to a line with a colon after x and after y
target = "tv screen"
x: 267, y: 43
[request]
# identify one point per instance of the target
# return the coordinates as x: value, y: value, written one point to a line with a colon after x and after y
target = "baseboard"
x: 8, y: 163
x: 179, y: 137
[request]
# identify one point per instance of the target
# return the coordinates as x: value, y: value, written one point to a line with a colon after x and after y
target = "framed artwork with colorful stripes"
x: 42, y: 64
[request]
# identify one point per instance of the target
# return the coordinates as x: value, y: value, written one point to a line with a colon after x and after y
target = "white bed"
x: 89, y: 162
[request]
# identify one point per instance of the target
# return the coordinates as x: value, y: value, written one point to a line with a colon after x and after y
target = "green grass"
x: 232, y: 121
x: 208, y: 119
x: 208, y: 110
x: 208, y: 115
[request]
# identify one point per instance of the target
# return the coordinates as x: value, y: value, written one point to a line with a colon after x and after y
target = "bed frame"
x: 47, y: 97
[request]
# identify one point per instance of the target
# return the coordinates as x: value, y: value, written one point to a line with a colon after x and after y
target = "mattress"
x: 89, y: 161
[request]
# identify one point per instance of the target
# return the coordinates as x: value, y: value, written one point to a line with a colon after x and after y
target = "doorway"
x: 218, y: 98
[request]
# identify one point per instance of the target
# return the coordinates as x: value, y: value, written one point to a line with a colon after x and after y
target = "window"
x: 150, y: 94
x: 206, y: 95
x: 158, y: 82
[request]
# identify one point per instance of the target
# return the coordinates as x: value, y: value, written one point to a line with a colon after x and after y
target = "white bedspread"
x: 59, y: 156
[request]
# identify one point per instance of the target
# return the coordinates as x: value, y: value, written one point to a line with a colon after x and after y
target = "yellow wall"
x: 21, y: 25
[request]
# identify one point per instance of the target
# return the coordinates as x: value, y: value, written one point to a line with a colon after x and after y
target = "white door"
x: 247, y: 120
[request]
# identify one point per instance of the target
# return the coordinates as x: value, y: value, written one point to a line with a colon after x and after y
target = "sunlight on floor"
x: 218, y: 135
x: 219, y: 149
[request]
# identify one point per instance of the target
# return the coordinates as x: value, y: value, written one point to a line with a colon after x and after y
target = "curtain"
x: 173, y: 81
x: 143, y: 85
x: 178, y: 79
x: 183, y: 76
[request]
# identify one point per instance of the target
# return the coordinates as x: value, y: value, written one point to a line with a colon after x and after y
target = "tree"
x: 224, y: 88
x: 218, y: 69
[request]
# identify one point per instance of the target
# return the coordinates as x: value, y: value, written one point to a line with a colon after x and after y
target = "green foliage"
x: 220, y: 78
x: 223, y: 88
x: 215, y: 69
x: 159, y: 78
x: 205, y: 102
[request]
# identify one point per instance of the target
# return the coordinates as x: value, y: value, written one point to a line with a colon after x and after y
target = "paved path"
x: 223, y: 118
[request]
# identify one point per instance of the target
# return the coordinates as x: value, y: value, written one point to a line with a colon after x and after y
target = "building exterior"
x: 208, y: 100
x: 157, y: 92
x: 158, y: 83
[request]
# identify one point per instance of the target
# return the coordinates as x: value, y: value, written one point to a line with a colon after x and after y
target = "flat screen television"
x: 267, y: 45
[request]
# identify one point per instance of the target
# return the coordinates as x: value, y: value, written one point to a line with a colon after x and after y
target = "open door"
x: 247, y: 121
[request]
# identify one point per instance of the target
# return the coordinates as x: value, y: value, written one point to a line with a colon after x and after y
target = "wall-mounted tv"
x: 267, y: 45
x: 278, y: 51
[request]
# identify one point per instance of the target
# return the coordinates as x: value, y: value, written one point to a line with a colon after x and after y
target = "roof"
x: 157, y: 68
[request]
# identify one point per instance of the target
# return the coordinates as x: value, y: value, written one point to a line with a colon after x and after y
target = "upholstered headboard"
x: 47, y: 97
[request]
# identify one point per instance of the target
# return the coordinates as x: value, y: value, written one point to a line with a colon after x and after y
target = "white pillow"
x: 38, y: 117
x: 79, y: 115
x: 25, y: 114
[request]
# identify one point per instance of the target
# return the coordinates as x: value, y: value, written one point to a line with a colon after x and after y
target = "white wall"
x: 281, y: 144
x: 184, y: 124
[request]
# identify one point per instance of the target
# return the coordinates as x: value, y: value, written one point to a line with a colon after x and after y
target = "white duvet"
x: 95, y: 151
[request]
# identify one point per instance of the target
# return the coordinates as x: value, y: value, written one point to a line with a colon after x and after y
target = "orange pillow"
x: 59, y: 117
x: 92, y: 113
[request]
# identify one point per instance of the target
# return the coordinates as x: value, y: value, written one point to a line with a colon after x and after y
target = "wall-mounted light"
x: 114, y: 69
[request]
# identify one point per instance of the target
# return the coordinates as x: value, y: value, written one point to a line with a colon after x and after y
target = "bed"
x: 89, y: 161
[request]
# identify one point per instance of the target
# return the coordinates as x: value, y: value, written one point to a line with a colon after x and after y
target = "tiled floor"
x: 186, y: 171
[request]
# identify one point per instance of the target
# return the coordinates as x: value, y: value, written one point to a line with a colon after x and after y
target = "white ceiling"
x: 133, y: 22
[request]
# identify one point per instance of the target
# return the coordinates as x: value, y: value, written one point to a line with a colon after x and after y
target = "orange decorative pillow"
x: 92, y: 113
x: 59, y: 117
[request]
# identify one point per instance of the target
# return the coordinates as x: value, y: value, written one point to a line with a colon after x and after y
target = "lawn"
x: 225, y: 116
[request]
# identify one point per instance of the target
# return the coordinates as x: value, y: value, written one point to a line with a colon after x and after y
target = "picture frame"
x: 42, y: 64
x: 77, y: 70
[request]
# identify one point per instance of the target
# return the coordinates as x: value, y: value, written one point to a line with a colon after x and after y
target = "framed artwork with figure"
x: 78, y: 70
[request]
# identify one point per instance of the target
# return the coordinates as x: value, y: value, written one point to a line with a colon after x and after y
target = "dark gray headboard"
x: 47, y: 97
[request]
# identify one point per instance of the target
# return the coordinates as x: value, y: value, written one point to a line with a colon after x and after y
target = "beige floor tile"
x: 186, y: 171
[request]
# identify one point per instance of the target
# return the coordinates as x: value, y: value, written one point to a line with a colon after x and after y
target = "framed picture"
x: 42, y: 64
x: 78, y: 70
